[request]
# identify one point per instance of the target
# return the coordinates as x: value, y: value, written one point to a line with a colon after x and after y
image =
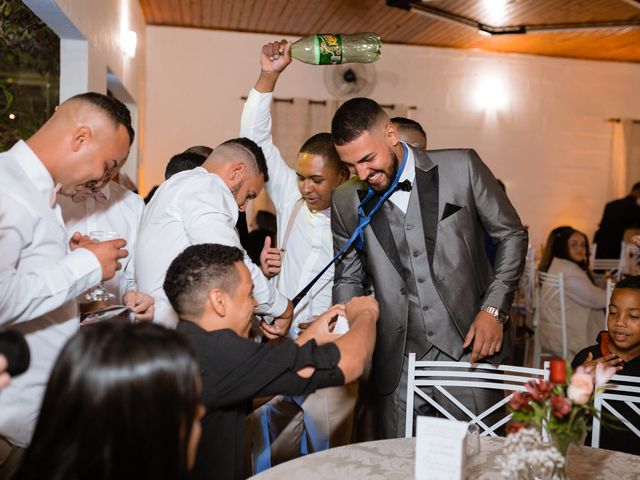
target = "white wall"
x: 550, y: 143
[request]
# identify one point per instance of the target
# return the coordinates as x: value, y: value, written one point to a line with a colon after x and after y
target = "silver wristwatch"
x: 499, y: 315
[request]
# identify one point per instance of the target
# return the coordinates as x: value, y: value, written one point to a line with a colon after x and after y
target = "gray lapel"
x: 380, y: 227
x: 427, y: 182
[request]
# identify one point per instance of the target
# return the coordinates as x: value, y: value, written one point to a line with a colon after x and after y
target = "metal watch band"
x: 500, y: 316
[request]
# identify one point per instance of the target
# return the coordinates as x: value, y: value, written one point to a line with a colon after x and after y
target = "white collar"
x: 107, y: 190
x: 409, y: 172
x: 33, y: 167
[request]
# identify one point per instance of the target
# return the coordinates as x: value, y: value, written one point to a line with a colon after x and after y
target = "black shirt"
x: 235, y: 370
x: 620, y: 438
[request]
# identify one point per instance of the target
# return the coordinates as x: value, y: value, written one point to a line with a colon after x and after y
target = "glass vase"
x: 563, y: 442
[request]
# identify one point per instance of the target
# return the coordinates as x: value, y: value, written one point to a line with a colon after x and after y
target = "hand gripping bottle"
x: 331, y: 49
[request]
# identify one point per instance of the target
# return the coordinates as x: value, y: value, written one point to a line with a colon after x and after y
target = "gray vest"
x: 429, y: 322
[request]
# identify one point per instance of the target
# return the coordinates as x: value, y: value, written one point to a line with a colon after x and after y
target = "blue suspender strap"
x: 357, y: 236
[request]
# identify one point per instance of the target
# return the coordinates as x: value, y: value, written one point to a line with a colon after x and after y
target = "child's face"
x: 624, y: 321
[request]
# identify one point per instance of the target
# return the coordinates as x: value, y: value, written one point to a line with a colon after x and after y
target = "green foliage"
x: 29, y: 72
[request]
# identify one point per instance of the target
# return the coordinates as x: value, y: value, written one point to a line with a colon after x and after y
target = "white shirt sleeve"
x: 208, y: 220
x: 25, y: 295
x: 255, y: 124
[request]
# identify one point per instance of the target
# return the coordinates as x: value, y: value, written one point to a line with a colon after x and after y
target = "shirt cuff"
x: 279, y: 306
x: 256, y: 98
x: 85, y: 269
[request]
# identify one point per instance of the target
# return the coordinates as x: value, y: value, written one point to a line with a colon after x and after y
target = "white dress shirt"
x: 401, y: 198
x: 121, y: 213
x: 310, y: 244
x: 190, y: 208
x: 39, y: 282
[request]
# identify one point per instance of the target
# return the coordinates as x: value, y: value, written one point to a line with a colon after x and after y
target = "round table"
x: 394, y: 460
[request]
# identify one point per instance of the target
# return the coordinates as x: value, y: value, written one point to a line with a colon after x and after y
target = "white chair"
x: 610, y: 286
x: 549, y: 288
x: 622, y: 388
x: 443, y: 375
x: 608, y: 265
x: 629, y: 260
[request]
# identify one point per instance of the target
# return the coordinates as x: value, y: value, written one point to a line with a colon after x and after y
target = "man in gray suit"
x: 423, y: 255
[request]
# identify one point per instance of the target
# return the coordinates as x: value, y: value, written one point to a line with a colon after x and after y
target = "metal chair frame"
x: 464, y: 374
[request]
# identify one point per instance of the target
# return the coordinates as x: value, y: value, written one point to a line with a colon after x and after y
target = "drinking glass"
x: 100, y: 293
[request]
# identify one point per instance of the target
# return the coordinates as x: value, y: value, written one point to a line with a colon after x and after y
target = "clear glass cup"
x: 100, y: 293
x: 473, y: 440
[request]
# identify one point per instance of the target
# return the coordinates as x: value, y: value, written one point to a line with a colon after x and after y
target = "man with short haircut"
x: 211, y: 289
x: 424, y: 255
x: 80, y: 146
x: 411, y: 132
x: 181, y: 162
x: 618, y: 216
x: 201, y: 206
x: 302, y: 197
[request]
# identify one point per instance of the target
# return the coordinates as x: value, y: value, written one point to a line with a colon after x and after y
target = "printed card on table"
x: 440, y: 447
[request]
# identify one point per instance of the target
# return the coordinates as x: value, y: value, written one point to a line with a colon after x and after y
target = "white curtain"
x: 625, y: 157
x: 293, y: 122
x: 631, y: 130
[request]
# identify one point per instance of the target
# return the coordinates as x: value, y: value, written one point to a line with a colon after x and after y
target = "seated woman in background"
x: 618, y: 346
x: 122, y: 402
x: 566, y: 252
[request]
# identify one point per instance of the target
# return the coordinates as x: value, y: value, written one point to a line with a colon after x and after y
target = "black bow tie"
x: 405, y: 186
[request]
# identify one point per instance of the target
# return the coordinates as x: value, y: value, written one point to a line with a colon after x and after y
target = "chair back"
x: 624, y: 390
x: 608, y: 265
x: 441, y: 376
x: 549, y: 288
x: 629, y: 260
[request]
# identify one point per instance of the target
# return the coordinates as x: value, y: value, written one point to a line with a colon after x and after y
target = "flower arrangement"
x: 525, y: 456
x: 563, y: 406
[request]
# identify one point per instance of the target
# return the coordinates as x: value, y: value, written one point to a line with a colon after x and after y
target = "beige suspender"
x: 292, y: 218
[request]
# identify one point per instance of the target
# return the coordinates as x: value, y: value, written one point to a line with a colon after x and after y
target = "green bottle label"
x: 330, y: 47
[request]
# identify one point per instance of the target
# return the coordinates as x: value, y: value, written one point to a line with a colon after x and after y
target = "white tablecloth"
x: 394, y: 460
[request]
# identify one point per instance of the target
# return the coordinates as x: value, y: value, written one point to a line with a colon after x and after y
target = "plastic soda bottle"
x: 331, y: 49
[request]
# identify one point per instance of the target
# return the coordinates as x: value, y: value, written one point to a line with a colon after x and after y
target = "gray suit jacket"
x: 459, y: 199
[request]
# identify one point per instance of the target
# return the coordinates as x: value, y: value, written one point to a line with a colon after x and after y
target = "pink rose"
x: 604, y: 374
x: 581, y: 387
x: 560, y: 406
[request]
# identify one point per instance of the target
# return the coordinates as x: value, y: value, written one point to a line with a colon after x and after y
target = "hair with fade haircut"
x: 114, y: 108
x: 252, y: 151
x: 409, y: 124
x: 181, y: 162
x: 198, y: 270
x: 353, y: 118
x: 631, y: 282
x: 322, y: 144
x: 635, y: 187
x: 200, y: 150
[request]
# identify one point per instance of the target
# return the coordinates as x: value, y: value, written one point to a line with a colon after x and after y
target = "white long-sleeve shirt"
x: 121, y: 213
x: 310, y: 244
x: 39, y: 282
x: 190, y: 208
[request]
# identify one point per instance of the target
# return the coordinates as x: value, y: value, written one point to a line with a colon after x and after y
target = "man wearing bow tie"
x: 111, y: 207
x: 40, y: 273
x: 423, y: 252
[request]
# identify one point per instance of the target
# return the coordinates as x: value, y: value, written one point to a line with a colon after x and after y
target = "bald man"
x: 40, y: 274
x: 202, y: 206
